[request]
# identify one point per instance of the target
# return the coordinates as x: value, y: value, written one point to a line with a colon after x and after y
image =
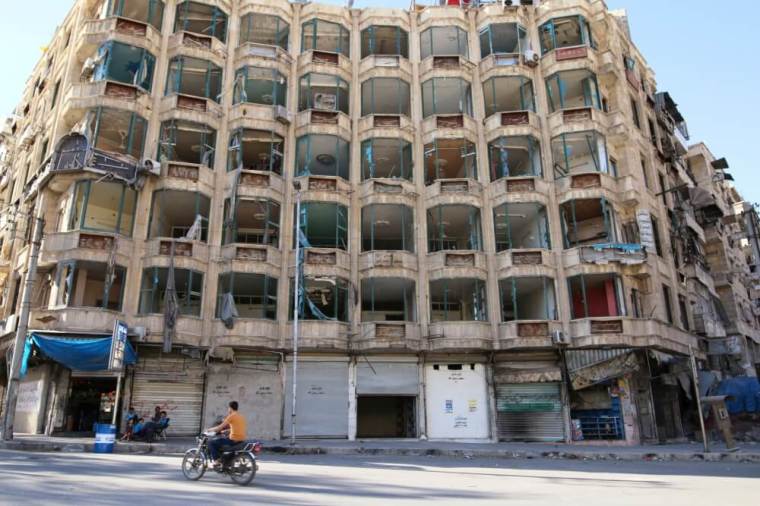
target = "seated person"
x: 163, y: 421
x: 139, y: 428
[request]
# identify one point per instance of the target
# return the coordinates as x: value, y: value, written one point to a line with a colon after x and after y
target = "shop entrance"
x: 386, y: 416
x: 91, y: 400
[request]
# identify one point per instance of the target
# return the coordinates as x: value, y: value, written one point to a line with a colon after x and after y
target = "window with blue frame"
x: 387, y: 158
x: 117, y: 131
x: 387, y: 227
x: 514, y: 156
x: 253, y: 221
x: 579, y: 152
x: 388, y: 299
x: 385, y: 41
x: 203, y: 19
x: 325, y: 298
x: 188, y: 286
x: 521, y: 225
x: 255, y: 295
x: 179, y: 214
x: 322, y: 155
x: 385, y: 95
x: 527, y: 298
x: 194, y: 77
x: 508, y: 94
x: 265, y: 29
x: 321, y: 35
x: 146, y: 11
x: 573, y: 89
x: 187, y: 142
x: 570, y: 31
x: 324, y: 225
x: 503, y: 39
x: 90, y: 284
x: 443, y: 41
x: 587, y: 222
x: 323, y: 92
x: 125, y: 64
x: 454, y: 227
x: 446, y: 95
x: 259, y: 85
x: 103, y: 206
x: 458, y: 300
x: 260, y: 150
x: 450, y: 159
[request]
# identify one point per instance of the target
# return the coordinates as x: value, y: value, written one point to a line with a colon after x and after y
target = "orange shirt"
x: 237, y: 426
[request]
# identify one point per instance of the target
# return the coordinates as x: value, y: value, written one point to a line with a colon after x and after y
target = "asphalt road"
x: 82, y: 479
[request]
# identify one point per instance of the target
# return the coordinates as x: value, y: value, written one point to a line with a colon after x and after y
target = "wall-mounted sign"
x: 118, y: 346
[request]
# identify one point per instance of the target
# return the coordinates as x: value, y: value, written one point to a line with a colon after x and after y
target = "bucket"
x: 105, y: 436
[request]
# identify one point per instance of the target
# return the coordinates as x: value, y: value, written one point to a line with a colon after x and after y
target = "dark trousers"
x: 216, y: 446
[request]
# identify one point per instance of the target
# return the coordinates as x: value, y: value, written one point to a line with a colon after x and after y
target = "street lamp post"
x: 296, y: 303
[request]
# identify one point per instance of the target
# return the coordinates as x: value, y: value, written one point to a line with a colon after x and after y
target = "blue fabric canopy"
x: 76, y: 353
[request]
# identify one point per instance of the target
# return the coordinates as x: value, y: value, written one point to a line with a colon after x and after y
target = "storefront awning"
x: 75, y: 352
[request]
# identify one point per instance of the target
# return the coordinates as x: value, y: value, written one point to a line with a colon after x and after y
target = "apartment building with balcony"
x: 494, y: 214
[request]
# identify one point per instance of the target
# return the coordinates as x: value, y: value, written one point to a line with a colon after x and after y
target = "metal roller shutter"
x: 173, y: 381
x: 387, y: 378
x: 322, y: 409
x: 529, y: 412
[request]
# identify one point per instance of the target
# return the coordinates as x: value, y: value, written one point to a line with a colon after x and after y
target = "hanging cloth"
x: 170, y: 305
x: 228, y: 311
x: 193, y: 234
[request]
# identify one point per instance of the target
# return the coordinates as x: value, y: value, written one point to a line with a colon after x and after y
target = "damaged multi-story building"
x: 498, y: 229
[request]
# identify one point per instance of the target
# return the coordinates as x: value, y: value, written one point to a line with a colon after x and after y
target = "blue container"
x: 105, y: 437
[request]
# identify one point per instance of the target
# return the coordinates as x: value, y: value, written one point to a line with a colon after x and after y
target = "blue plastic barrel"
x: 105, y: 437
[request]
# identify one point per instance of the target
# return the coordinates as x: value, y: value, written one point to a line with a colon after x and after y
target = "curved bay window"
x: 573, y: 89
x: 188, y: 286
x: 446, y: 95
x: 117, y: 131
x: 259, y: 85
x: 103, y: 206
x: 179, y: 214
x: 323, y: 92
x: 202, y: 19
x: 323, y: 298
x: 570, y: 31
x: 523, y: 225
x: 387, y: 227
x: 321, y: 35
x: 503, y: 39
x: 254, y: 221
x: 146, y: 11
x: 385, y: 41
x: 324, y: 225
x: 586, y: 222
x: 458, y: 300
x: 194, y: 77
x: 527, y: 298
x: 254, y: 295
x: 125, y: 64
x: 450, y: 159
x: 508, y: 94
x: 514, y: 156
x: 454, y: 227
x: 387, y: 158
x: 265, y: 29
x: 579, y: 152
x: 187, y: 142
x: 443, y: 41
x: 596, y: 296
x: 388, y: 300
x: 260, y: 150
x: 385, y: 95
x: 322, y: 155
x: 90, y: 284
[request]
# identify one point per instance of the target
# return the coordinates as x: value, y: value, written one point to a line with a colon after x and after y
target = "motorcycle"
x: 238, y: 462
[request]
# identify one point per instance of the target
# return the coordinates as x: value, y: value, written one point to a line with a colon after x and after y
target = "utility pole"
x: 9, y: 409
x: 695, y: 377
x: 296, y: 301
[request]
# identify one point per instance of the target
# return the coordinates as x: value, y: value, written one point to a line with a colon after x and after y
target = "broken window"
x: 595, y: 296
x: 255, y: 150
x: 388, y: 300
x: 187, y: 142
x: 125, y: 64
x: 325, y: 298
x: 194, y: 77
x: 252, y: 222
x: 388, y: 227
x: 443, y: 41
x: 587, y: 222
x: 324, y: 225
x: 514, y: 156
x: 202, y: 19
x: 508, y: 94
x: 457, y: 300
x: 259, y: 85
x: 188, y: 286
x: 387, y: 158
x: 454, y: 227
x: 117, y: 131
x: 322, y: 155
x: 667, y: 299
x: 321, y: 35
x: 563, y: 32
x: 503, y: 39
x: 255, y: 295
x: 450, y: 159
x: 521, y: 226
x: 266, y: 29
x: 103, y: 206
x: 385, y: 41
x: 446, y: 95
x: 573, y: 89
x: 179, y: 214
x: 682, y: 308
x: 579, y: 152
x: 385, y: 95
x: 323, y: 92
x: 90, y: 284
x: 527, y: 298
x: 656, y: 234
x: 146, y: 11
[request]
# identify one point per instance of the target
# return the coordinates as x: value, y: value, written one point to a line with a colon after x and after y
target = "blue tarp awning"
x: 76, y: 353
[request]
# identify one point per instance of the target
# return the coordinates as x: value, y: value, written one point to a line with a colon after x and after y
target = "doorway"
x: 386, y: 417
x: 91, y: 401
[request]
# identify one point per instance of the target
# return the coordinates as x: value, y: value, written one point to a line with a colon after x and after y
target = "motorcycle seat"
x: 235, y: 448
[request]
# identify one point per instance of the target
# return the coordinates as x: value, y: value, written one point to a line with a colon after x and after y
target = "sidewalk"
x: 748, y: 452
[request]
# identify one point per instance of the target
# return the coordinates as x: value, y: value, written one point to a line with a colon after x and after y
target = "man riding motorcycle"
x: 237, y: 425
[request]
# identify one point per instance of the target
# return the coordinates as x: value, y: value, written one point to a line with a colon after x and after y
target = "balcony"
x: 320, y: 121
x: 387, y: 336
x: 246, y: 333
x: 621, y: 331
x: 187, y: 254
x: 318, y: 336
x: 190, y: 330
x: 191, y: 108
x: 83, y: 96
x: 87, y: 320
x: 525, y: 262
x: 253, y: 258
x: 84, y: 245
x: 458, y: 336
x: 526, y: 334
x: 395, y: 263
x: 197, y: 45
x: 97, y: 31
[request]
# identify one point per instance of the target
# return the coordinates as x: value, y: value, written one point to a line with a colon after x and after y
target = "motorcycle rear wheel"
x: 194, y: 465
x: 242, y: 469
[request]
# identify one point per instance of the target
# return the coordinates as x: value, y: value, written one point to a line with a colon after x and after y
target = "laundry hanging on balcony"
x: 78, y: 353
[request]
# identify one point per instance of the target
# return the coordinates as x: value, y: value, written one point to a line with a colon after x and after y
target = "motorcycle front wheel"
x: 242, y: 469
x: 194, y: 465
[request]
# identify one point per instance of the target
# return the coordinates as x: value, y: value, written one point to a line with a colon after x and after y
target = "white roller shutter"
x: 322, y: 408
x: 387, y: 378
x: 529, y: 412
x: 456, y: 401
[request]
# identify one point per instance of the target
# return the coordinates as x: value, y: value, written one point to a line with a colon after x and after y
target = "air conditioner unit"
x: 530, y: 58
x: 152, y: 167
x: 88, y: 68
x: 282, y: 114
x: 559, y: 338
x: 327, y: 101
x: 140, y: 333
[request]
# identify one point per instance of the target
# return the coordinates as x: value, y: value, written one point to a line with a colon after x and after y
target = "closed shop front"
x: 387, y: 395
x: 322, y: 398
x: 173, y: 381
x: 456, y: 400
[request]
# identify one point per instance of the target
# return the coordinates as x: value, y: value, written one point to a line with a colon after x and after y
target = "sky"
x: 705, y: 53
